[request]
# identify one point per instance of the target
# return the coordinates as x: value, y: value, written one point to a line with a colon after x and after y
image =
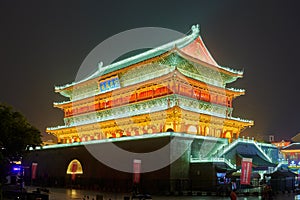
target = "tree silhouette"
x: 16, y: 136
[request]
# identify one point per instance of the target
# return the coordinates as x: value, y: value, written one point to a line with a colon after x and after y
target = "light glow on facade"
x: 180, y: 89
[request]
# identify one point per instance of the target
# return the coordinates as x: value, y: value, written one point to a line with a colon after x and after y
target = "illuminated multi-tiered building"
x: 177, y: 87
x: 141, y: 104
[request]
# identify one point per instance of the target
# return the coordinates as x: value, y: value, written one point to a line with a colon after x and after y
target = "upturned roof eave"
x: 232, y: 119
x: 169, y: 47
x: 137, y: 58
x: 234, y: 73
x: 234, y: 91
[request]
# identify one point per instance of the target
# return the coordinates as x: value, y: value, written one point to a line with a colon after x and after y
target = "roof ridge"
x: 165, y: 47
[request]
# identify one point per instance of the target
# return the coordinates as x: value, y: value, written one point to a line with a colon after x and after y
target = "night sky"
x: 43, y: 43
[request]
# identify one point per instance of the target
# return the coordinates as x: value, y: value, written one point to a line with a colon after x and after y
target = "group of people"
x: 266, y: 195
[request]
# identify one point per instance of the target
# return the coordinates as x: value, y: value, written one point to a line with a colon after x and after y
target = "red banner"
x: 136, y: 170
x: 33, y: 170
x: 246, y: 171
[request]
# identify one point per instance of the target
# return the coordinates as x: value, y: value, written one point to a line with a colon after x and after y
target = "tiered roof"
x: 186, y: 57
x: 190, y: 47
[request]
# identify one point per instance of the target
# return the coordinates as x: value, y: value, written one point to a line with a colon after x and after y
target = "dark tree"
x: 16, y: 136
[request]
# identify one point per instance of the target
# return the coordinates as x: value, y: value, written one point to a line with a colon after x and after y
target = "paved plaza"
x: 69, y: 194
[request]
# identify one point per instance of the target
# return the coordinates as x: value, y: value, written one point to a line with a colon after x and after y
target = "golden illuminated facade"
x: 180, y: 89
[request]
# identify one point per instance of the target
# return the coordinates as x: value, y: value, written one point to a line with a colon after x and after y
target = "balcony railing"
x: 206, y: 160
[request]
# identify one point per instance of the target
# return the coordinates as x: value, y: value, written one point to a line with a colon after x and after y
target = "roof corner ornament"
x: 196, y: 28
x: 100, y: 65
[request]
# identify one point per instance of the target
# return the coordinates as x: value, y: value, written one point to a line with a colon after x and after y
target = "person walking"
x: 233, y: 195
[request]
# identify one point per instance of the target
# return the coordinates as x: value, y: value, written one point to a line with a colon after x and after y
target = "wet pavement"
x: 70, y: 194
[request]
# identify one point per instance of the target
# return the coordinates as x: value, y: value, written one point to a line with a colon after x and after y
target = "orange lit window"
x: 206, y: 131
x: 228, y: 135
